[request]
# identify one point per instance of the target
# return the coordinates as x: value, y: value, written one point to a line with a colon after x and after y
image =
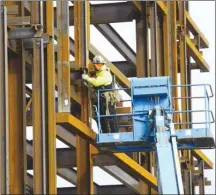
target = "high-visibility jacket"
x: 103, y: 77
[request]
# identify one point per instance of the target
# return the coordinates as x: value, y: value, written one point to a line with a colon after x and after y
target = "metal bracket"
x: 37, y: 27
x: 25, y: 33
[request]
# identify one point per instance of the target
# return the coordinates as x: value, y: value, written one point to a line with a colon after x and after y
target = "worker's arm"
x: 104, y: 78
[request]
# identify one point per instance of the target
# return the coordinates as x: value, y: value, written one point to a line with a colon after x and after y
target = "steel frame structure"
x: 27, y: 33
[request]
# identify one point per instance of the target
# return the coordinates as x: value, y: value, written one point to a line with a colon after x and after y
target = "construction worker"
x: 103, y: 80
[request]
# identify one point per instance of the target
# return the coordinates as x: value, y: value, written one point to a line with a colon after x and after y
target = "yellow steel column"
x: 51, y: 100
x: 201, y: 177
x: 166, y: 45
x: 160, y: 64
x: 4, y: 179
x: 63, y: 56
x: 183, y: 78
x: 17, y: 127
x: 183, y: 67
x: 38, y: 105
x: 143, y: 70
x: 142, y: 57
x: 172, y: 41
x: 23, y: 61
x: 154, y: 43
x: 82, y: 37
x: 16, y: 124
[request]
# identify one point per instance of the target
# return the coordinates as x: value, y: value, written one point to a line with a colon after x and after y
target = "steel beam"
x: 183, y: 64
x: 160, y: 47
x: 154, y: 43
x: 19, y: 21
x: 39, y: 118
x: 16, y: 77
x: 126, y: 68
x: 23, y: 33
x: 143, y: 70
x: 118, y: 42
x: 196, y: 31
x: 105, y: 13
x: 71, y: 176
x: 172, y: 61
x: 82, y: 41
x: 201, y: 178
x: 201, y: 156
x: 13, y: 10
x: 63, y: 56
x: 166, y: 46
x: 196, y: 55
x: 184, y: 92
x: 4, y: 123
x: 110, y: 189
x: 16, y: 83
x: 51, y: 127
x: 130, y: 182
x: 142, y: 56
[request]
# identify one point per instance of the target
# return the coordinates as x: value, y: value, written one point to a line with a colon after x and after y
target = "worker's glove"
x: 85, y: 77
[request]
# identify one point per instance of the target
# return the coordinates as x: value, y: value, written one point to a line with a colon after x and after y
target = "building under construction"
x: 35, y: 50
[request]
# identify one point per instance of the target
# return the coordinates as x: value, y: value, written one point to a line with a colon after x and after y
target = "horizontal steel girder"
x: 24, y: 33
x: 66, y: 158
x: 105, y: 13
x: 115, y: 189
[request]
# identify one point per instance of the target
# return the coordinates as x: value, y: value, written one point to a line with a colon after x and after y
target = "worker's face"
x: 97, y: 66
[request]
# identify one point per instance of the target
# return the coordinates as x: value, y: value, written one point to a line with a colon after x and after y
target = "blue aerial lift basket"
x: 146, y: 93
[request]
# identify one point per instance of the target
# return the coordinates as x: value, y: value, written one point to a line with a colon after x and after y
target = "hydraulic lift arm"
x: 168, y: 165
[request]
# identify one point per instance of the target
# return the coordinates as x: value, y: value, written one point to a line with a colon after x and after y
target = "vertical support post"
x: 166, y: 46
x: 188, y: 66
x: 143, y: 70
x: 4, y: 153
x: 17, y: 120
x: 183, y: 78
x: 82, y: 36
x: 38, y: 101
x: 142, y: 57
x: 160, y: 61
x: 23, y: 62
x: 192, y: 176
x: 63, y: 56
x: 183, y: 67
x: 50, y: 83
x: 154, y: 44
x: 201, y: 178
x: 172, y: 52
